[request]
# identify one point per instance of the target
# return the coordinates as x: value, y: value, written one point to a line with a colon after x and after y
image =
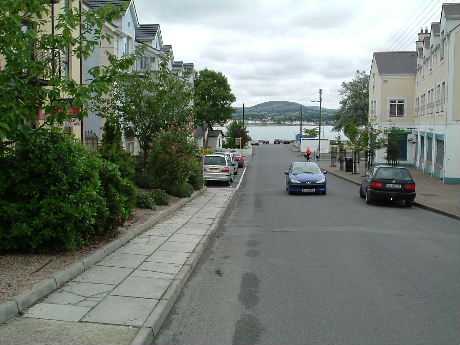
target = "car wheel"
x: 325, y: 192
x: 368, y: 198
x: 408, y: 203
x: 361, y: 194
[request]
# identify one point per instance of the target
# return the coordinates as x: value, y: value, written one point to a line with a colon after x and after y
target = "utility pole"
x: 243, y: 114
x: 301, y: 124
x: 320, y: 121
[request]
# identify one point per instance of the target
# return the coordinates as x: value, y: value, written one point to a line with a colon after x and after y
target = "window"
x: 443, y: 95
x: 443, y: 43
x: 423, y: 103
x: 397, y: 107
x: 438, y: 98
x: 417, y: 106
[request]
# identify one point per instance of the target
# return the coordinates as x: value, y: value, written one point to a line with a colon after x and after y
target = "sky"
x: 287, y: 50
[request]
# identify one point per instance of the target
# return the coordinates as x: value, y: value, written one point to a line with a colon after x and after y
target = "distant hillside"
x: 283, y: 111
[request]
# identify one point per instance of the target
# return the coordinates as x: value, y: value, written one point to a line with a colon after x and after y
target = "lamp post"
x: 320, y: 101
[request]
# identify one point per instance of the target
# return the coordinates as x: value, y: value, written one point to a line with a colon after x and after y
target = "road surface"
x: 326, y: 270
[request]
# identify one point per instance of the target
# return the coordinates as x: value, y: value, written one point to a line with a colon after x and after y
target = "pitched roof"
x: 452, y: 9
x: 435, y: 28
x: 396, y: 62
x: 95, y: 4
x: 178, y: 64
x: 167, y: 48
x: 147, y: 32
x: 215, y: 133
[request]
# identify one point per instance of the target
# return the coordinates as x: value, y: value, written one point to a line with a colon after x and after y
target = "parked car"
x: 239, y: 158
x: 286, y: 141
x: 277, y: 141
x: 306, y: 177
x: 254, y: 143
x: 218, y: 167
x: 387, y: 183
x: 231, y: 157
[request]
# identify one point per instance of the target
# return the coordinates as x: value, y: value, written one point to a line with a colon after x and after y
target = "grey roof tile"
x: 95, y: 4
x: 396, y: 62
x: 451, y: 9
x: 147, y: 32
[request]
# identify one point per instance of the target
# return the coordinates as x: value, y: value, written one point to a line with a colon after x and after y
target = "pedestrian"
x: 308, y: 154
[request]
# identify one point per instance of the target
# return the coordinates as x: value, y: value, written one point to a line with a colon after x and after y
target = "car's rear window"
x: 307, y: 168
x: 214, y: 160
x: 393, y: 173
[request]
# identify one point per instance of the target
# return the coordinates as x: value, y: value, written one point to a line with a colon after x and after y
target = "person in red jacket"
x: 308, y: 154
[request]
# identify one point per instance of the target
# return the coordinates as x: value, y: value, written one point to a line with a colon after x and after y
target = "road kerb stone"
x: 8, y: 310
x: 42, y: 289
x: 38, y: 291
x: 68, y: 274
x: 145, y: 336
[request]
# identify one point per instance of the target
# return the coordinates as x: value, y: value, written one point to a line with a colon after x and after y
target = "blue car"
x: 306, y: 177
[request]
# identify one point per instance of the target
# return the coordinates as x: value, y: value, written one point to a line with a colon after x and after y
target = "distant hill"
x: 284, y: 111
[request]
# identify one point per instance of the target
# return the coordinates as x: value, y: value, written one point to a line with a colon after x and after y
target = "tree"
x: 354, y: 103
x: 31, y: 79
x: 237, y: 130
x: 311, y: 132
x: 213, y: 100
x: 153, y: 102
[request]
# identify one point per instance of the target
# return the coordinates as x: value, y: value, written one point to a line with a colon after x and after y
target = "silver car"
x: 230, y: 156
x: 218, y: 167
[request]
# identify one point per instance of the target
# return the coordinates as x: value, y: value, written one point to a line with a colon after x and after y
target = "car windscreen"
x: 214, y: 160
x: 393, y: 174
x: 306, y: 169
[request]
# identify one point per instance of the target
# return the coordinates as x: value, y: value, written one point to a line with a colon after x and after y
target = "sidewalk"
x: 431, y: 192
x: 125, y: 297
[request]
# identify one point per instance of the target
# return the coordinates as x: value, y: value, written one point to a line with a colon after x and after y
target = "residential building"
x: 433, y: 141
x: 392, y: 96
x: 215, y: 139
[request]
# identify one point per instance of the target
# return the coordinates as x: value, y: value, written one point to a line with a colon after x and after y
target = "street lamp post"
x: 320, y: 101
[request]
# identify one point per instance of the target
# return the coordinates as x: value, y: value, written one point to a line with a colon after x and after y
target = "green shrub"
x: 183, y: 190
x: 196, y: 174
x: 50, y: 194
x: 170, y: 162
x: 160, y: 197
x: 120, y: 196
x: 145, y: 200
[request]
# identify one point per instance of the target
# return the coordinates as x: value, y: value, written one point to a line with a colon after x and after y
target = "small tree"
x: 213, y: 100
x: 237, y: 130
x: 354, y: 103
x: 393, y: 145
x: 311, y: 132
x: 32, y: 80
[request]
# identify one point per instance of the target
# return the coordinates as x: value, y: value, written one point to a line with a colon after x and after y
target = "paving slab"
x: 24, y: 331
x: 141, y: 248
x: 154, y: 275
x: 104, y: 275
x: 161, y: 267
x: 118, y: 259
x: 88, y: 290
x: 63, y: 297
x: 118, y: 310
x: 57, y: 312
x: 182, y: 247
x: 168, y: 257
x: 185, y: 238
x: 142, y: 288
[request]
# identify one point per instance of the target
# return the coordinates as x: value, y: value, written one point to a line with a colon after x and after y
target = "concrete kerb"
x: 163, y: 308
x: 18, y: 304
x: 423, y: 206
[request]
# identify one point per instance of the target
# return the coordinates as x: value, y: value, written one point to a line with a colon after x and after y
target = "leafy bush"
x: 160, y: 197
x: 145, y: 200
x: 196, y: 174
x: 183, y: 190
x: 50, y: 194
x: 120, y: 196
x: 170, y: 162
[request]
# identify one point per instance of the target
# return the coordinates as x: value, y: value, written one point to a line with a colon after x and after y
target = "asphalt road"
x: 326, y: 270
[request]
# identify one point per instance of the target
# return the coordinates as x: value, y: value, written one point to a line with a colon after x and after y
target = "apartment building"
x: 392, y: 96
x: 433, y: 124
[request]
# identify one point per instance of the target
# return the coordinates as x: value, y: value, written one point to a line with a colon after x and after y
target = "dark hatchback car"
x: 387, y: 183
x: 305, y: 177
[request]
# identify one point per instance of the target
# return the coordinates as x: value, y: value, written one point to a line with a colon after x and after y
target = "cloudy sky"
x: 287, y: 50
